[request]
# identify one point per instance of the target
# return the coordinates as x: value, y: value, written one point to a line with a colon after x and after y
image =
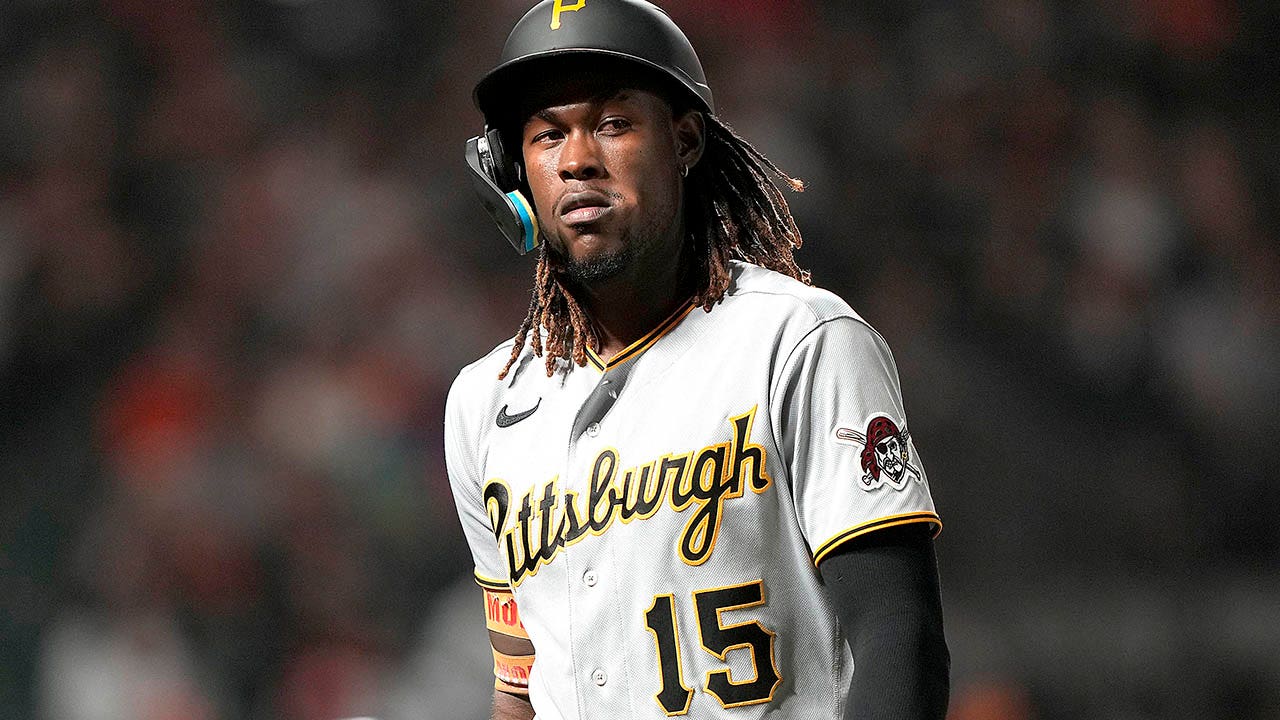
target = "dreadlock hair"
x: 733, y: 210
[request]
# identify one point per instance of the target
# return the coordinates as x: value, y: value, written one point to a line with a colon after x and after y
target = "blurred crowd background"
x: 240, y: 265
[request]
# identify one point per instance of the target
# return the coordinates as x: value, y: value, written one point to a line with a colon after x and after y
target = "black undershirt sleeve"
x: 884, y: 586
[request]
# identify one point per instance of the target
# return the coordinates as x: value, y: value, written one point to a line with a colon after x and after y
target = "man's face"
x: 604, y: 168
x: 889, y: 453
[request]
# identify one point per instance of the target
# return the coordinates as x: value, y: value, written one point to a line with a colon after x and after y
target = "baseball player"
x: 687, y: 482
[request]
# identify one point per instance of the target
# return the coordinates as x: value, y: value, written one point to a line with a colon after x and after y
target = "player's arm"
x: 513, y: 655
x: 510, y: 699
x: 511, y: 707
x: 884, y: 586
x: 512, y: 650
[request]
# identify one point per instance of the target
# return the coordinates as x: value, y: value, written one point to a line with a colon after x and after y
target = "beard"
x: 596, y: 269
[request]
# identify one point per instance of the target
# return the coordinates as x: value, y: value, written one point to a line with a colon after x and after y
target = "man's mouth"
x: 582, y: 208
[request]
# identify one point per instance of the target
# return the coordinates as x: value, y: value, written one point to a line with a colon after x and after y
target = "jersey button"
x: 589, y: 577
x: 599, y: 677
x: 593, y: 429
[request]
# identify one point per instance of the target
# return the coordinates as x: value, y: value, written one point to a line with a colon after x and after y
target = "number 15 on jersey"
x: 718, y: 639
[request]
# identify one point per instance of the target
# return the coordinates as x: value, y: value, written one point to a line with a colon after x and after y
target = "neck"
x: 625, y: 308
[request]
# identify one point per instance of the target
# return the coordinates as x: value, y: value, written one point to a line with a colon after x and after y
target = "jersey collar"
x: 636, y: 348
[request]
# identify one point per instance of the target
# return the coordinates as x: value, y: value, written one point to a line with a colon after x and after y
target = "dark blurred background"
x: 240, y: 265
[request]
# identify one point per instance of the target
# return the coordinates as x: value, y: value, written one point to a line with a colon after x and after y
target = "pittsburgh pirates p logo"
x: 561, y: 7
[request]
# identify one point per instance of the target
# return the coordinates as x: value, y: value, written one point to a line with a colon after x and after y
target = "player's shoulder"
x: 487, y: 365
x: 803, y: 322
x: 492, y: 360
x: 477, y: 383
x: 752, y: 286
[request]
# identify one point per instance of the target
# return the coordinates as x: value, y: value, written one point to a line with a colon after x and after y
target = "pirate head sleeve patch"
x: 885, y: 453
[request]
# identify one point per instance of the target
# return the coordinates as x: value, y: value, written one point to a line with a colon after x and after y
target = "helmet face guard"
x: 630, y: 31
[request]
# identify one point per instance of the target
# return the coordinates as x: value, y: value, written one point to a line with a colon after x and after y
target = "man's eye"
x: 546, y: 136
x: 614, y: 125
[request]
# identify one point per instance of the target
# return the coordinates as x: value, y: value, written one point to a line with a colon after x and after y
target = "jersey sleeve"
x: 462, y: 460
x: 845, y: 439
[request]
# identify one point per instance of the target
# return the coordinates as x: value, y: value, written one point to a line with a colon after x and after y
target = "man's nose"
x: 580, y: 157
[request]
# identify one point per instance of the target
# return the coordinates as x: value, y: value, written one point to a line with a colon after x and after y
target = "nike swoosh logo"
x: 505, y: 420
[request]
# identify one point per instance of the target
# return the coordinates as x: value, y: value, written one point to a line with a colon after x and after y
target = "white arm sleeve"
x: 461, y: 453
x: 836, y: 402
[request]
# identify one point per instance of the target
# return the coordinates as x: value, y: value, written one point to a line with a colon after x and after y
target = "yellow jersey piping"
x: 644, y: 343
x: 878, y: 524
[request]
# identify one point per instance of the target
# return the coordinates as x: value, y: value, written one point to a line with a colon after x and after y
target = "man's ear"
x: 691, y: 137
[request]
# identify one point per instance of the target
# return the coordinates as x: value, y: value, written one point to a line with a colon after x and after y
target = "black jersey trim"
x: 878, y: 524
x: 643, y: 343
x: 490, y: 584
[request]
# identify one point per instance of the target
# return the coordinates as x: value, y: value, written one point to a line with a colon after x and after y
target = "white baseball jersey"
x: 660, y: 516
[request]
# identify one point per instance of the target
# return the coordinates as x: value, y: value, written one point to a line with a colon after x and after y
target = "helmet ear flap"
x: 497, y: 178
x: 503, y: 168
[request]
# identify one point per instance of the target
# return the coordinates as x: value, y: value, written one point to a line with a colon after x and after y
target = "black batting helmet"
x: 628, y: 30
